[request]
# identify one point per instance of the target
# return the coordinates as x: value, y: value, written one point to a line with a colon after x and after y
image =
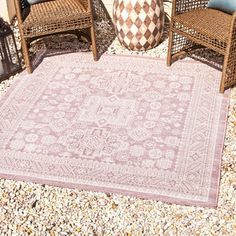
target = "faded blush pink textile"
x: 122, y: 124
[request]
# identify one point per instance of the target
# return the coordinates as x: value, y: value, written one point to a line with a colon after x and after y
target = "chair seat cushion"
x: 209, y: 23
x: 228, y: 6
x: 56, y: 16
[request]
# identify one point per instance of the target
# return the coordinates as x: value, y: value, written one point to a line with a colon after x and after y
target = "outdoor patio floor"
x: 33, y: 209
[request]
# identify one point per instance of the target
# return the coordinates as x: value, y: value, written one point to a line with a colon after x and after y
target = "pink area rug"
x: 123, y: 124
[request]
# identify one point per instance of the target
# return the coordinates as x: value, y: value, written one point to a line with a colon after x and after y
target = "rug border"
x: 219, y: 149
x: 168, y: 200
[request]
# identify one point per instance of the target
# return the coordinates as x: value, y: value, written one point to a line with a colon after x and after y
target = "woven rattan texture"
x: 53, y: 16
x: 193, y: 24
x: 181, y: 43
x: 65, y: 16
x: 182, y: 6
x: 230, y: 59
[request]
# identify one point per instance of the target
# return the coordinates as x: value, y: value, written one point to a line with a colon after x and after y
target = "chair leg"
x: 222, y: 87
x: 25, y: 50
x: 170, y: 44
x: 94, y: 46
x: 224, y: 74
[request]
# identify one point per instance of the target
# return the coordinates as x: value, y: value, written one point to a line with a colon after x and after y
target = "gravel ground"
x: 33, y: 209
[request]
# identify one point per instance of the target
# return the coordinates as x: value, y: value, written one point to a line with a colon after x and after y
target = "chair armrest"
x: 181, y: 6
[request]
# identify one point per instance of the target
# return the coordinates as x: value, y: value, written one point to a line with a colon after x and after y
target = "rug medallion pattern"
x: 125, y: 125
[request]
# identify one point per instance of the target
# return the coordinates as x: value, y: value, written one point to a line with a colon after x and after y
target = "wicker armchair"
x: 193, y: 24
x: 53, y: 17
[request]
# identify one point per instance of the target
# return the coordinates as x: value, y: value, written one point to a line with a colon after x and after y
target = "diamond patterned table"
x: 138, y: 23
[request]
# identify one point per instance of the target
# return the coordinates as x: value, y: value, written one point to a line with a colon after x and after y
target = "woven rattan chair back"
x: 193, y: 24
x: 53, y: 17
